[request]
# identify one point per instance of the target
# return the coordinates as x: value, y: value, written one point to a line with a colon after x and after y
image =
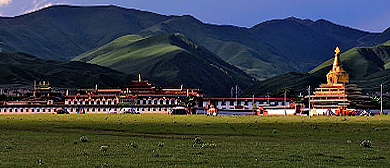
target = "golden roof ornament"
x: 337, y: 75
x: 337, y: 50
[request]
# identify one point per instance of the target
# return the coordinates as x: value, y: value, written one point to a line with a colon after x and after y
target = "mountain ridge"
x: 268, y: 49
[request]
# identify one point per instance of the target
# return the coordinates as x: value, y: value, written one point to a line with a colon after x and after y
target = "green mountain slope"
x: 361, y: 62
x: 235, y: 45
x: 170, y: 59
x: 367, y: 66
x: 269, y: 48
x: 20, y: 68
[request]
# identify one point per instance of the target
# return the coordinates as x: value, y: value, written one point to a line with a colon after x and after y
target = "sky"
x: 368, y: 15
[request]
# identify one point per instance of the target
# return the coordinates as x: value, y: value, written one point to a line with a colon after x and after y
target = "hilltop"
x: 63, y: 32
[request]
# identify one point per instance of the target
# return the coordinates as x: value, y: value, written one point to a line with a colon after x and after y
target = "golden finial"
x: 337, y: 50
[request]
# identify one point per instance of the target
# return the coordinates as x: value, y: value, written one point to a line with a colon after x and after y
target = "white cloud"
x: 1, y: 14
x: 5, y: 2
x: 41, y: 4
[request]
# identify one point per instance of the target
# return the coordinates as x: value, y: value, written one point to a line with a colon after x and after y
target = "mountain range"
x: 166, y: 48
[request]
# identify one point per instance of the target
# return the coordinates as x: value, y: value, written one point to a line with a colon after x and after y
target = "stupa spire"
x: 336, y: 62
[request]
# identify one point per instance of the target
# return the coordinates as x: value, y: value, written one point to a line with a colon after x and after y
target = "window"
x: 26, y: 110
x: 43, y: 110
x: 32, y: 110
x: 49, y: 110
x: 38, y: 110
x: 10, y: 110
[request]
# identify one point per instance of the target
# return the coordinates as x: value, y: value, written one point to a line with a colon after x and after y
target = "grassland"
x: 48, y: 140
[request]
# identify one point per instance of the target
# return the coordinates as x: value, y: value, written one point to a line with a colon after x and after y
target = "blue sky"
x: 370, y: 15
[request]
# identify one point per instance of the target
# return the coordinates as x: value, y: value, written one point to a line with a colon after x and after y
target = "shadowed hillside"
x: 171, y: 59
x: 308, y: 41
x: 20, y: 68
x: 63, y: 32
x: 235, y: 45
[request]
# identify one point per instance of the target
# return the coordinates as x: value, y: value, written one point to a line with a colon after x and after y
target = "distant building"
x: 139, y: 94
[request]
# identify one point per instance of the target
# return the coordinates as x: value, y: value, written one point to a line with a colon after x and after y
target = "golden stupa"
x: 338, y: 92
x: 337, y: 75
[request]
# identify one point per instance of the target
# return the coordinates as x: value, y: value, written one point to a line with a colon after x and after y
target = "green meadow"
x: 158, y: 140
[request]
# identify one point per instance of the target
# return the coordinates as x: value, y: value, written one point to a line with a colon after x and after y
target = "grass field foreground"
x: 157, y: 140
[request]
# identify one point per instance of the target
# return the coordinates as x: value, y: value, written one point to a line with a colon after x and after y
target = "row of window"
x: 157, y: 102
x: 27, y: 110
x: 90, y: 102
x: 74, y: 110
x: 114, y: 102
x: 245, y: 104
